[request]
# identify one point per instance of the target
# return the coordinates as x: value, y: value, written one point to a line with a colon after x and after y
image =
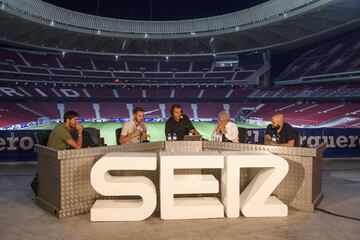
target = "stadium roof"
x: 158, y: 10
x: 275, y: 24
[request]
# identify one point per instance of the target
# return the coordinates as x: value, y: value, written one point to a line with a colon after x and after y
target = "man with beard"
x: 60, y: 137
x: 280, y: 133
x: 134, y: 130
x: 179, y: 124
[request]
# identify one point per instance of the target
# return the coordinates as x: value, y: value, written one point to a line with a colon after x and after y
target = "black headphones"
x: 176, y: 106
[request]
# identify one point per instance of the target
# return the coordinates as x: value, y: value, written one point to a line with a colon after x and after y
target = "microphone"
x: 139, y: 127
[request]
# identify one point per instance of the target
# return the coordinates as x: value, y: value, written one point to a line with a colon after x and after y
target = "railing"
x: 42, y: 12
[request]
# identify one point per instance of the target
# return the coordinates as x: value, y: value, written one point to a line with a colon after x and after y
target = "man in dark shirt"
x: 280, y: 133
x: 179, y: 124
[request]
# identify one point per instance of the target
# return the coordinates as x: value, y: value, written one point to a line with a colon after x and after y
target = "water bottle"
x: 174, y: 137
x: 220, y: 137
x: 217, y: 137
x: 169, y: 137
x: 273, y: 139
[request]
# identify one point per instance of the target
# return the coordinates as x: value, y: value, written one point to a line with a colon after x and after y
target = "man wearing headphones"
x: 179, y: 124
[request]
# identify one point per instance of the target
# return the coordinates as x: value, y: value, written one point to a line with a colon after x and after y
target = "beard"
x: 138, y: 121
x: 276, y: 127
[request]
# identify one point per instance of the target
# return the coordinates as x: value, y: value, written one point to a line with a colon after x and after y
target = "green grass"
x: 156, y: 130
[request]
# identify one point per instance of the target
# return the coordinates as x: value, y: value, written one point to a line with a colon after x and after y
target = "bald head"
x: 278, y: 121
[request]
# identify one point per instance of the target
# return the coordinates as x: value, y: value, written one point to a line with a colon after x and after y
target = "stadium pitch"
x: 155, y: 129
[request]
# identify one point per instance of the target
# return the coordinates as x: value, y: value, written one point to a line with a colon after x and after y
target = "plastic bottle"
x: 273, y: 139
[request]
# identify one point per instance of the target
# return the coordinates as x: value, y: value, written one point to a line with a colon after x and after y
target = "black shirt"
x: 286, y: 134
x: 181, y: 128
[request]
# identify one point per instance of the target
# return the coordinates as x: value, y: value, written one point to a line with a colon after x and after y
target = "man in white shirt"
x: 225, y: 130
x: 134, y: 131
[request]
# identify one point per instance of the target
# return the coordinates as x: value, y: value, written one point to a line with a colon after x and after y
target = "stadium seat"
x: 242, y: 135
x: 297, y: 138
x: 91, y: 137
x: 117, y: 135
x: 41, y: 137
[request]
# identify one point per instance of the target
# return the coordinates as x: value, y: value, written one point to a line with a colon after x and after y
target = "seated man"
x: 60, y: 137
x: 280, y: 133
x: 225, y: 130
x: 178, y: 124
x: 134, y: 130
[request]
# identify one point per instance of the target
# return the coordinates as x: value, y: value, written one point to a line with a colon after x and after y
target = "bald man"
x: 280, y: 133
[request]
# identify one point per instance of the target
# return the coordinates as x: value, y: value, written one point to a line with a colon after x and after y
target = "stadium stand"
x: 12, y: 113
x: 331, y: 58
x: 45, y: 109
x: 23, y: 65
x: 300, y: 114
x: 209, y: 109
x: 310, y: 114
x: 305, y: 91
x: 228, y: 92
x: 113, y: 110
x: 85, y: 108
x: 53, y: 79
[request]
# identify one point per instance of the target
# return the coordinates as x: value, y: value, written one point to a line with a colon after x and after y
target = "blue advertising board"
x: 18, y: 145
x: 341, y: 143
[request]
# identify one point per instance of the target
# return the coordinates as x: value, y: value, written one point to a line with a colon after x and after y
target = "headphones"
x: 176, y: 106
